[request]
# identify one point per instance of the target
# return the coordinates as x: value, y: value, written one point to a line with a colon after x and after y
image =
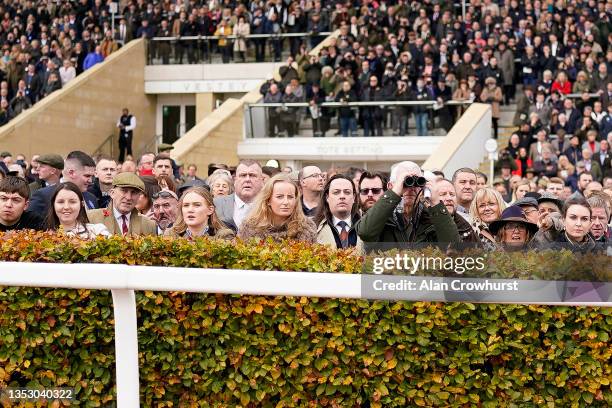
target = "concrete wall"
x: 84, y: 113
x: 464, y: 144
x: 215, y: 139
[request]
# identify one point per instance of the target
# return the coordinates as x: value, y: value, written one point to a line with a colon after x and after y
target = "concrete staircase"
x: 506, y: 128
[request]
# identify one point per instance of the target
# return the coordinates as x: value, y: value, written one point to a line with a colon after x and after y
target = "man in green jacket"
x: 414, y: 222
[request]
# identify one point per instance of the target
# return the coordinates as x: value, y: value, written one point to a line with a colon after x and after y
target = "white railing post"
x: 126, y: 348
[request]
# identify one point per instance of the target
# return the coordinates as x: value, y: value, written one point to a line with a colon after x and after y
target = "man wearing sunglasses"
x: 371, y: 187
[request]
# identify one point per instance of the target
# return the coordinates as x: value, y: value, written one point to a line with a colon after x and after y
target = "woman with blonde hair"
x: 277, y: 213
x: 197, y: 217
x: 564, y: 167
x: 520, y: 189
x: 486, y: 207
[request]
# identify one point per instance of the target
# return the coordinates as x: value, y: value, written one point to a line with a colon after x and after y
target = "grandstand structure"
x: 176, y: 79
x: 211, y: 113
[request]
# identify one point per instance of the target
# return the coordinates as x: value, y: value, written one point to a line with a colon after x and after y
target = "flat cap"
x: 53, y: 160
x: 527, y: 201
x: 164, y: 147
x: 128, y: 179
x: 5, y: 154
x: 551, y: 198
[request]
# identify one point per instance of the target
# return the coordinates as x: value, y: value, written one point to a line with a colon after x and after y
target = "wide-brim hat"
x: 514, y: 213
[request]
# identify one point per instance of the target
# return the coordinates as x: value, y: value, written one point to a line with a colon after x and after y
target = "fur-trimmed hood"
x: 307, y: 231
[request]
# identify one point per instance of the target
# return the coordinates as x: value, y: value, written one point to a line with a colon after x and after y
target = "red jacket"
x: 565, y: 88
x: 519, y: 171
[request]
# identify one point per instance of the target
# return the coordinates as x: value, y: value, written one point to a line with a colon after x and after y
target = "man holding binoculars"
x: 413, y: 221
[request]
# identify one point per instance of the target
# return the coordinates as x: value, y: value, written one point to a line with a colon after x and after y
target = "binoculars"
x: 414, y: 181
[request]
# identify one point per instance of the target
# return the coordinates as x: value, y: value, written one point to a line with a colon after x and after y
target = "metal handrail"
x: 356, y: 104
x: 108, y: 139
x: 579, y: 95
x: 151, y: 145
x: 242, y: 37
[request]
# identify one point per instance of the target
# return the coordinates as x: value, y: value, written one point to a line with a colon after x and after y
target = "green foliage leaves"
x: 261, y: 351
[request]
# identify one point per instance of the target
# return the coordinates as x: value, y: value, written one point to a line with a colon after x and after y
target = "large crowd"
x: 426, y: 51
x: 46, y: 44
x: 342, y: 208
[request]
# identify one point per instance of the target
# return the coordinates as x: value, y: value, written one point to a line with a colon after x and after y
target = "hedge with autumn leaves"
x: 228, y: 351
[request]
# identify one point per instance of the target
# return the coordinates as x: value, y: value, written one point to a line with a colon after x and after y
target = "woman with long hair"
x: 67, y: 212
x: 197, y: 217
x: 338, y: 213
x: 486, y: 207
x: 277, y: 213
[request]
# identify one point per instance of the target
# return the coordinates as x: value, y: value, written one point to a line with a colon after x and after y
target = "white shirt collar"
x: 238, y: 202
x: 118, y: 217
x: 337, y: 220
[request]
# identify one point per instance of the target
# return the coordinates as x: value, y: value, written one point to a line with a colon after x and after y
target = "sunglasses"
x: 366, y: 191
x: 164, y: 194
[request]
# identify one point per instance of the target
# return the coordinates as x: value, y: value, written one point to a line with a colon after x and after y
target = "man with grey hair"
x: 414, y: 220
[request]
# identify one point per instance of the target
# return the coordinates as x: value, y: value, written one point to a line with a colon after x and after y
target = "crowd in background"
x: 427, y: 51
x: 342, y: 208
x: 555, y: 47
x: 45, y: 44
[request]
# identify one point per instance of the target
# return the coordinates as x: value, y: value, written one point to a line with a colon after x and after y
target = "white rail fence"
x: 123, y: 280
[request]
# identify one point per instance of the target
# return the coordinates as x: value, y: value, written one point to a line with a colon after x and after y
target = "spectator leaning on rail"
x: 415, y: 222
x: 121, y: 216
x: 338, y: 213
